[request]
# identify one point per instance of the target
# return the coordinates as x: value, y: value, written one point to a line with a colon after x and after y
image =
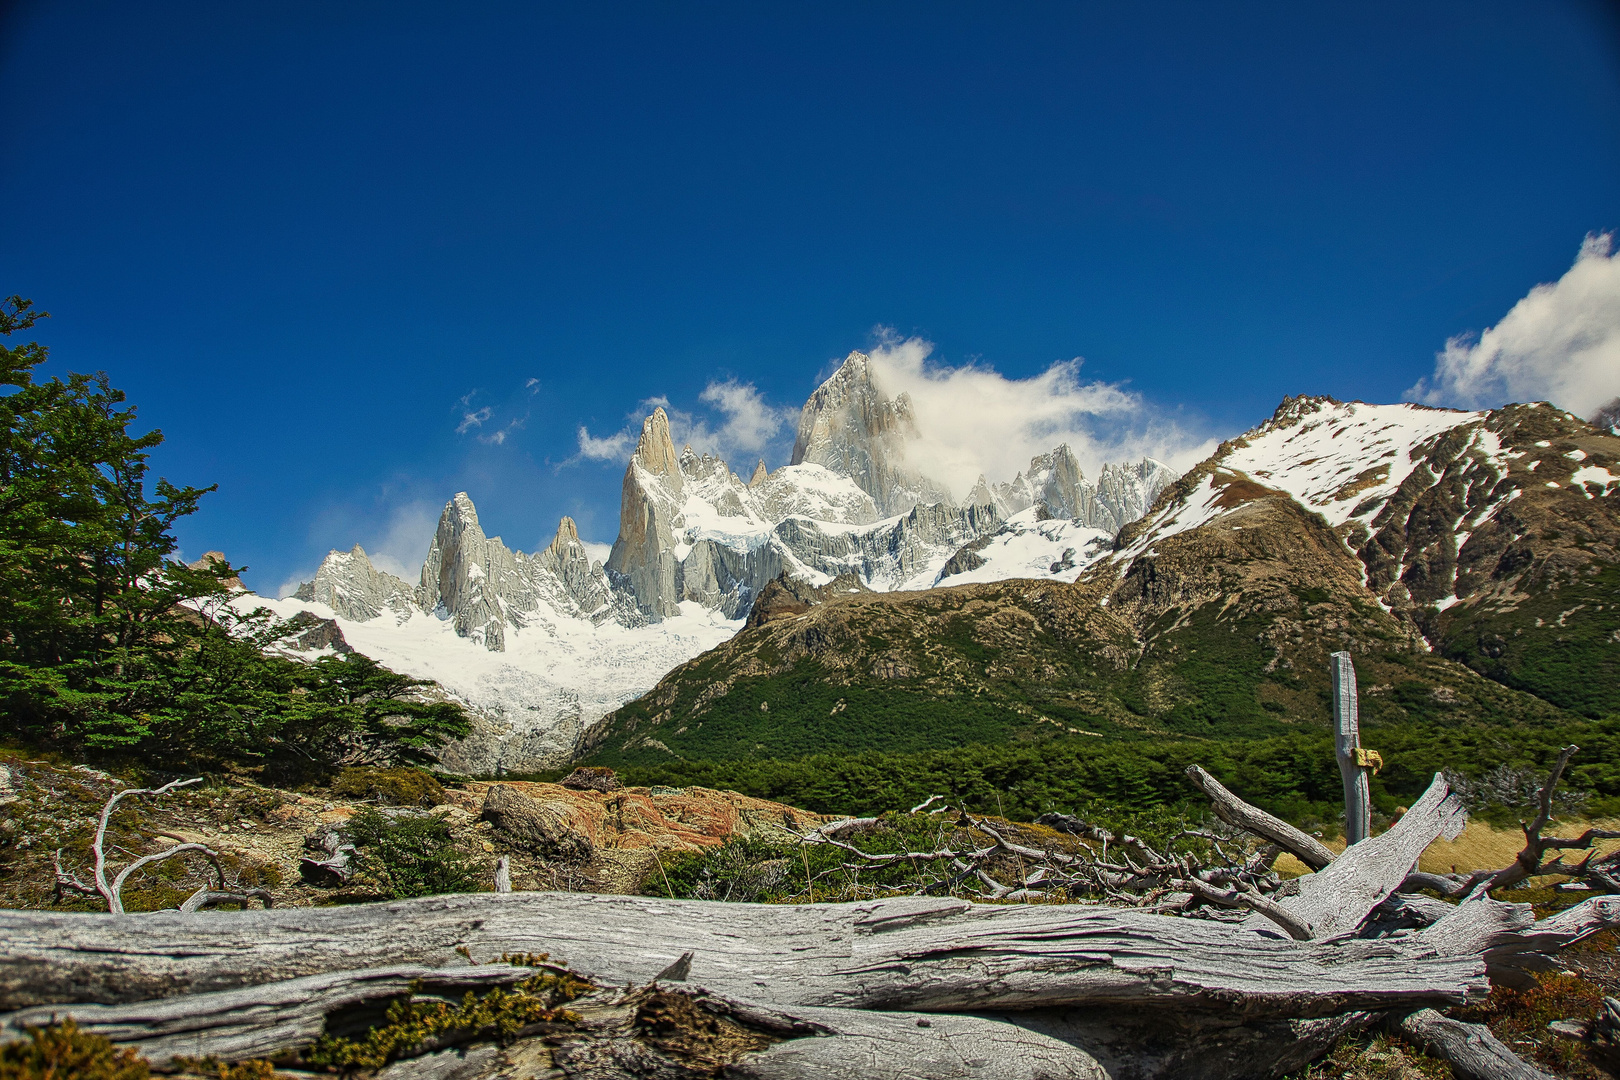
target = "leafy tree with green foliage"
x: 354, y: 701
x: 87, y: 587
x: 109, y: 643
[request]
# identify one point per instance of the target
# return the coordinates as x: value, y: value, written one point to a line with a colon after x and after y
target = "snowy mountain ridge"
x: 566, y: 639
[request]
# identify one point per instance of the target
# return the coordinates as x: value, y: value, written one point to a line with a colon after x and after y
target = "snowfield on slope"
x: 1322, y: 461
x: 556, y: 677
x: 1342, y: 460
x: 1028, y: 547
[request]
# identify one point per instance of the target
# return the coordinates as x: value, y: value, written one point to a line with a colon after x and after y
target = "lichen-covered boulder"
x: 537, y: 825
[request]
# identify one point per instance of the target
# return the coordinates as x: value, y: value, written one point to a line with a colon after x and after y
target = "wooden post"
x: 1347, y: 740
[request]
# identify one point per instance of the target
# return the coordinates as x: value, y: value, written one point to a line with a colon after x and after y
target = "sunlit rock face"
x: 542, y: 645
x: 850, y: 427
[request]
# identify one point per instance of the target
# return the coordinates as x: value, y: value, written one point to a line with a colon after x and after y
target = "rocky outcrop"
x: 643, y: 555
x: 851, y: 427
x: 212, y: 559
x: 1055, y: 483
x: 539, y: 826
x: 311, y: 633
x: 787, y: 597
x: 354, y: 589
x: 613, y: 839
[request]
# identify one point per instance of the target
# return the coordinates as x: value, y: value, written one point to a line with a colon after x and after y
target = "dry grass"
x: 1480, y: 847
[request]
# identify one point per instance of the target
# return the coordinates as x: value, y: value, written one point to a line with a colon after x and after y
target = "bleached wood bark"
x: 257, y: 1021
x: 908, y: 1046
x: 908, y: 953
x: 272, y: 1020
x: 1336, y: 900
x: 1239, y: 814
x: 1474, y: 1053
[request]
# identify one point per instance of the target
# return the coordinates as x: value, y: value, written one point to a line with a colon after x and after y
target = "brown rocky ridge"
x: 1215, y: 613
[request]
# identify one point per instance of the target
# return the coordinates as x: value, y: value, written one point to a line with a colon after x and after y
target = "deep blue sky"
x: 299, y: 234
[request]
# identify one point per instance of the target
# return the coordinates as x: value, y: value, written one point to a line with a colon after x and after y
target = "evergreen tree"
x: 107, y: 641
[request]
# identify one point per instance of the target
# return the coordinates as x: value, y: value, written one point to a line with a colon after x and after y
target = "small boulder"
x: 590, y: 778
x: 537, y: 826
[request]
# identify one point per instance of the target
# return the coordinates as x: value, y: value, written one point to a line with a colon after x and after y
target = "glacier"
x: 541, y: 646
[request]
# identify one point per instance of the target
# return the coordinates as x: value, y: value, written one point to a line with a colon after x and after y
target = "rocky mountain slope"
x: 543, y: 645
x: 1466, y: 560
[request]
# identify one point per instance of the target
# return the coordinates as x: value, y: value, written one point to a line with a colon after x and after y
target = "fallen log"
x: 609, y: 1032
x: 1474, y: 1053
x: 1335, y: 901
x: 259, y: 1021
x: 1239, y: 814
x: 912, y: 953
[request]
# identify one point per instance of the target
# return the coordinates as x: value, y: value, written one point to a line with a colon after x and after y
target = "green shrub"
x: 498, y: 1014
x: 413, y: 855
x: 403, y: 786
x: 60, y: 1051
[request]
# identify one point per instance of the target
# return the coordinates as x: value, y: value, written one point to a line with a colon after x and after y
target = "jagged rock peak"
x: 760, y: 474
x: 642, y: 559
x: 1296, y: 406
x: 347, y: 583
x: 567, y: 539
x: 656, y: 450
x: 852, y: 428
x: 210, y: 559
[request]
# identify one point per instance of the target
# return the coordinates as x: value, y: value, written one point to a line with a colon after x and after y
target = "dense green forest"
x: 1295, y: 775
x: 109, y: 645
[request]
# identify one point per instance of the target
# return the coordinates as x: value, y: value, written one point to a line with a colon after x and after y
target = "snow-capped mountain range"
x: 540, y: 646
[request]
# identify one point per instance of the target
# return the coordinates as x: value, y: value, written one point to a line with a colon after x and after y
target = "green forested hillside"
x: 1220, y: 635
x: 1480, y: 603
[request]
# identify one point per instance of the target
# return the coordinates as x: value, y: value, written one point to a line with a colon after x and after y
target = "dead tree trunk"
x: 1347, y: 747
x: 823, y: 990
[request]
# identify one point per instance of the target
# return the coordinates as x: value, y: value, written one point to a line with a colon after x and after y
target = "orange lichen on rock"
x: 616, y: 837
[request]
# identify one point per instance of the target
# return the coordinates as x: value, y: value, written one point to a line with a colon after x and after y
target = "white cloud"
x: 750, y: 423
x: 615, y: 447
x: 596, y: 551
x: 973, y: 420
x: 1561, y: 343
x: 472, y: 419
x: 400, y: 545
x: 747, y: 425
x: 496, y: 438
x: 290, y: 586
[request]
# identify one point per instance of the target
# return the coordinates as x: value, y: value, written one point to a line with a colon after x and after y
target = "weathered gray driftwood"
x: 909, y: 1046
x: 908, y: 953
x: 257, y: 1021
x: 272, y: 1020
x: 1239, y: 814
x: 832, y: 990
x: 1474, y: 1053
x: 1186, y: 1045
x: 1334, y: 901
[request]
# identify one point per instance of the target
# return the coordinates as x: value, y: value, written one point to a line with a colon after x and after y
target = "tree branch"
x: 1235, y: 812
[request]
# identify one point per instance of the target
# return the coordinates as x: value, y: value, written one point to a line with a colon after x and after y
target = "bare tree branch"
x: 1235, y: 812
